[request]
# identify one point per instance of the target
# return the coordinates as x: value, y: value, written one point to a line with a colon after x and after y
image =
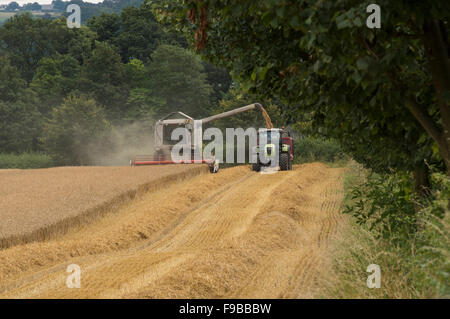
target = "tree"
x: 177, y: 79
x: 140, y: 35
x: 118, y: 6
x: 104, y: 65
x: 106, y: 25
x: 389, y: 86
x: 82, y: 43
x: 27, y: 40
x: 12, y: 6
x: 136, y: 33
x: 141, y: 105
x: 20, y: 124
x: 32, y: 6
x: 20, y: 120
x: 219, y: 79
x: 59, y: 5
x: 55, y: 78
x: 103, y: 75
x: 135, y: 73
x: 11, y: 84
x: 73, y: 127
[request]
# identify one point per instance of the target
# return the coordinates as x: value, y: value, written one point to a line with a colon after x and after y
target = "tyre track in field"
x: 218, y: 220
x: 255, y: 236
x: 322, y: 210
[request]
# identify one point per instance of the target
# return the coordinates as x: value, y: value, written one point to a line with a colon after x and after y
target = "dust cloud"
x: 121, y: 144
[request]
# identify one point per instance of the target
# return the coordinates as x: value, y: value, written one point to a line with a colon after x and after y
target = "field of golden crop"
x: 234, y: 234
x: 39, y: 204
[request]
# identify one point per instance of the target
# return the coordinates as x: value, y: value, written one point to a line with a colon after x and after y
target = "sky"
x: 22, y: 2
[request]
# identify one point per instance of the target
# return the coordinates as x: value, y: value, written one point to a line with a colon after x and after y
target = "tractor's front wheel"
x: 214, y: 167
x: 256, y: 167
x: 284, y: 161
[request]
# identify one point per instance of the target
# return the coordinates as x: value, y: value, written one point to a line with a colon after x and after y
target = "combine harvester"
x: 165, y: 126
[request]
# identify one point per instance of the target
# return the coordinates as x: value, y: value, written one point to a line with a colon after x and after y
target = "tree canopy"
x: 128, y: 67
x: 177, y: 78
x: 28, y: 40
x: 71, y: 129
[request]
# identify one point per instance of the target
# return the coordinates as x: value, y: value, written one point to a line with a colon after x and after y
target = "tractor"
x: 275, y: 147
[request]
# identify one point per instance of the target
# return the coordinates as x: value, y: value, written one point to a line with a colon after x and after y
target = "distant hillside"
x: 58, y: 8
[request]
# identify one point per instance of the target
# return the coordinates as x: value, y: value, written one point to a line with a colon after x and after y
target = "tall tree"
x: 11, y: 83
x: 55, y: 78
x: 106, y: 25
x: 220, y: 80
x: 59, y: 5
x: 32, y: 6
x: 12, y: 6
x: 103, y: 75
x: 27, y: 40
x: 20, y: 120
x: 78, y: 123
x: 135, y: 32
x: 20, y: 125
x: 177, y: 79
x: 141, y: 104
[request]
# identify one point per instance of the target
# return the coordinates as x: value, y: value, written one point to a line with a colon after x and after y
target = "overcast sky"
x: 22, y: 2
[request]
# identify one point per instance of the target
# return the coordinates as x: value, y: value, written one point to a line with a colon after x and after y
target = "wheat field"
x: 235, y: 234
x: 43, y: 203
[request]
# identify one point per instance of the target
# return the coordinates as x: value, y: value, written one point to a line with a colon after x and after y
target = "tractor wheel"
x: 256, y: 167
x: 284, y: 161
x: 214, y: 167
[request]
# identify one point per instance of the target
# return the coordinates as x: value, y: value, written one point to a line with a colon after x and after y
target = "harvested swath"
x: 41, y: 204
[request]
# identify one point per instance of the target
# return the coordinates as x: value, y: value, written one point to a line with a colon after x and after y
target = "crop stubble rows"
x: 235, y: 234
x: 39, y: 204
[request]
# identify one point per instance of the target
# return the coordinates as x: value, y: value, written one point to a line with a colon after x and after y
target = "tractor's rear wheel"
x: 284, y: 161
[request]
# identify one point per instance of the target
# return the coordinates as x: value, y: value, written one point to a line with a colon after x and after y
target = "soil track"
x: 235, y: 234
